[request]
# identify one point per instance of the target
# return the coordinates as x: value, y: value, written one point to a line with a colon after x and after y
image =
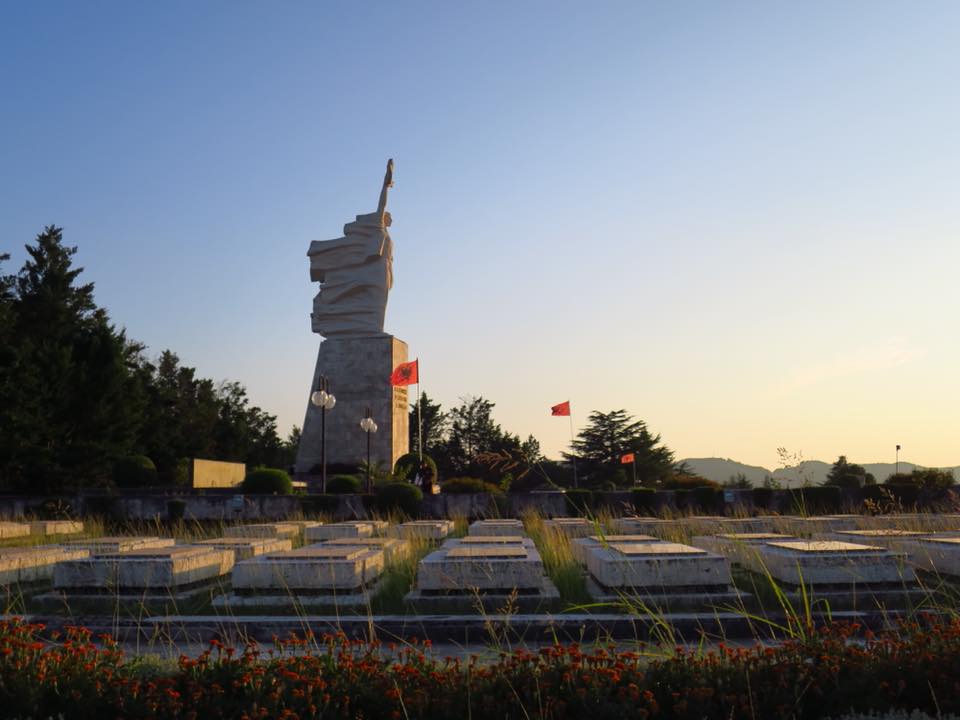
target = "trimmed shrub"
x: 176, y: 509
x: 644, y: 500
x: 406, y: 468
x: 319, y: 504
x: 468, y: 485
x: 403, y: 496
x: 134, y: 471
x: 267, y: 481
x: 762, y: 497
x: 343, y: 485
x: 579, y: 502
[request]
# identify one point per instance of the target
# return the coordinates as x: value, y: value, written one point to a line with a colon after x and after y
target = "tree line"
x: 465, y: 441
x: 77, y: 394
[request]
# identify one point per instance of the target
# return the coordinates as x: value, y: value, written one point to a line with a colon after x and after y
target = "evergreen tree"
x: 434, y: 423
x: 606, y: 438
x: 848, y: 475
x: 72, y: 403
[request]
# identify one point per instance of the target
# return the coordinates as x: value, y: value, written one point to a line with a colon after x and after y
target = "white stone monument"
x: 356, y: 357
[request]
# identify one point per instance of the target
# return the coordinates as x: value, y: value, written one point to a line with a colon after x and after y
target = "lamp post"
x: 368, y: 425
x: 323, y: 399
x: 898, y: 459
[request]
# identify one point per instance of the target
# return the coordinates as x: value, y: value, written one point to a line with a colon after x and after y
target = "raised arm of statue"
x: 387, y: 183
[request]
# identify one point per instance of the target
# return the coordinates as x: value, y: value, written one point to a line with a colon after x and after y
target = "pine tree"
x: 606, y: 438
x: 73, y: 405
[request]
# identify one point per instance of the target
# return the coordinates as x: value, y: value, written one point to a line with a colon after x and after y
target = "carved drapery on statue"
x: 355, y: 273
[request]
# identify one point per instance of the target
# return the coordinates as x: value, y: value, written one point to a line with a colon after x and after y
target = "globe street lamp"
x: 368, y: 426
x: 323, y: 399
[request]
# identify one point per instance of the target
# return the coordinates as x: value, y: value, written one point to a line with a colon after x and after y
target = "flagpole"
x: 634, y: 469
x: 573, y: 458
x: 419, y: 417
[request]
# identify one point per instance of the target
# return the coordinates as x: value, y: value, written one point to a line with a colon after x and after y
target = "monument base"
x: 358, y: 373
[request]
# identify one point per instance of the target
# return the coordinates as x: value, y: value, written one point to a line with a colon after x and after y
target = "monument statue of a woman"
x: 355, y: 273
x: 356, y: 357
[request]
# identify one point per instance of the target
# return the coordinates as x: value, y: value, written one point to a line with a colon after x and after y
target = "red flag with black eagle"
x: 561, y: 409
x: 406, y: 374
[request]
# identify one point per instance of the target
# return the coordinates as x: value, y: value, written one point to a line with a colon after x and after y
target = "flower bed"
x: 829, y: 671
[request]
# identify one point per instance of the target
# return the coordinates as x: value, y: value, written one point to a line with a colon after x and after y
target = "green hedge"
x: 267, y: 481
x: 344, y: 485
x: 399, y: 496
x: 134, y: 471
x: 468, y: 485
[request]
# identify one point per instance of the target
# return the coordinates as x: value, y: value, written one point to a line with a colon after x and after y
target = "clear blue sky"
x: 739, y: 221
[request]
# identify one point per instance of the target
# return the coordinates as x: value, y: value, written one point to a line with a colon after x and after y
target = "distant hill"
x: 813, y: 472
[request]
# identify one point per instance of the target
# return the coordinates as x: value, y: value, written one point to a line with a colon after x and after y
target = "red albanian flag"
x: 626, y: 459
x: 561, y: 409
x: 406, y: 374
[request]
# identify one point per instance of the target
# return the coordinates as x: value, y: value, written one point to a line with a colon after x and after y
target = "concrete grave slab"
x: 502, y: 564
x: 487, y: 573
x: 425, y: 529
x: 497, y: 527
x: 580, y: 546
x: 278, y: 531
x: 324, y: 576
x: 43, y: 528
x: 13, y: 530
x: 246, y: 548
x: 143, y: 571
x: 312, y: 569
x: 351, y: 529
x: 834, y: 563
x: 657, y: 567
x: 119, y: 543
x: 34, y: 564
x: 888, y: 538
x: 935, y: 554
x: 740, y: 548
x: 393, y: 548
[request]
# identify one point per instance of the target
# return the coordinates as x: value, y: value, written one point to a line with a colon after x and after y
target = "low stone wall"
x: 226, y: 506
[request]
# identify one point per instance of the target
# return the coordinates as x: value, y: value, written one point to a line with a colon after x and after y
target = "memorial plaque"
x: 492, y: 540
x: 484, y: 553
x: 656, y: 549
x: 824, y: 546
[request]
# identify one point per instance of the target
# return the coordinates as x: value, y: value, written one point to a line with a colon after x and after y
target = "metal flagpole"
x: 573, y: 457
x: 419, y: 417
x: 634, y: 469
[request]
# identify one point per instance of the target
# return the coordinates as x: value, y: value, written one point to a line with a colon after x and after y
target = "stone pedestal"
x: 358, y: 373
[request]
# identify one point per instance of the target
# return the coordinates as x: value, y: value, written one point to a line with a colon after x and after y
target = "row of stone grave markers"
x: 496, y: 566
